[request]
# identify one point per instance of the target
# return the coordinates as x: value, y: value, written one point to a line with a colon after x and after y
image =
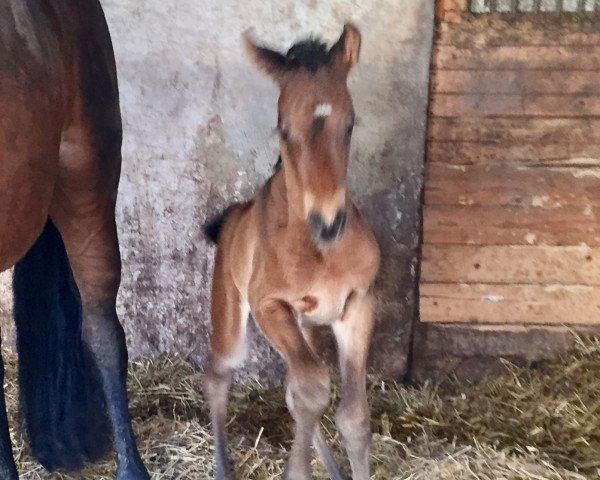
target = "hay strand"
x: 529, y: 424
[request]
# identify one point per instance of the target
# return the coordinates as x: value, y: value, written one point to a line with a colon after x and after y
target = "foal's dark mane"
x: 311, y: 53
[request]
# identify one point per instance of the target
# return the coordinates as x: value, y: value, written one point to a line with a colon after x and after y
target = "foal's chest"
x: 321, y: 286
x: 324, y: 299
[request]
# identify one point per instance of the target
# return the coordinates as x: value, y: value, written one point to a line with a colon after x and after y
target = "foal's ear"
x: 347, y: 49
x: 269, y: 61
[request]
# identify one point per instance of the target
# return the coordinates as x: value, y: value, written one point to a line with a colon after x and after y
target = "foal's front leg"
x: 308, y: 387
x: 319, y: 441
x: 353, y: 334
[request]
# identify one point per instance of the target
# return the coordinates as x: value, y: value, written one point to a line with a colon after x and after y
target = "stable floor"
x: 541, y: 423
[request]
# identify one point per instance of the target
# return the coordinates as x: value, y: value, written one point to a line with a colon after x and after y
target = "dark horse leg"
x: 83, y: 209
x: 91, y: 241
x: 8, y: 470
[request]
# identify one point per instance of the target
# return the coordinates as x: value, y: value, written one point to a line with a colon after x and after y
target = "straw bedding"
x: 539, y: 423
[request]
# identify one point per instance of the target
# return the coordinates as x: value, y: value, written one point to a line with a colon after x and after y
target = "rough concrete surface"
x: 199, y: 133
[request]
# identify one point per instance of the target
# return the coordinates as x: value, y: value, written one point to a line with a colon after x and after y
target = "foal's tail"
x: 61, y: 399
x: 213, y: 228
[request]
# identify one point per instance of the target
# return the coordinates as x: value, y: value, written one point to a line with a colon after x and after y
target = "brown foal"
x: 300, y: 255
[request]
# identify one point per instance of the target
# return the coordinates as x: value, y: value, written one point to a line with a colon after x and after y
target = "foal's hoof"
x: 224, y: 476
x: 132, y: 472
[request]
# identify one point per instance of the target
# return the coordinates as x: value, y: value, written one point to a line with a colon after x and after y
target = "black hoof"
x: 132, y: 472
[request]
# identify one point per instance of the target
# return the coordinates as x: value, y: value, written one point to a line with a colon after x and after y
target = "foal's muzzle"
x: 323, y: 232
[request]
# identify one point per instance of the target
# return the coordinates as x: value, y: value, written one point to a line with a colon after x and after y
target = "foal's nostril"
x: 316, y: 224
x: 323, y: 232
x: 339, y: 223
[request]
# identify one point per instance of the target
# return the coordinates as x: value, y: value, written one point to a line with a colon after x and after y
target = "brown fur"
x: 269, y: 259
x: 60, y: 140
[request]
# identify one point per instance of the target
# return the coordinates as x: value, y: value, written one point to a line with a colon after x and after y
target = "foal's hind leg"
x: 83, y: 210
x: 307, y: 392
x: 353, y: 335
x: 228, y: 346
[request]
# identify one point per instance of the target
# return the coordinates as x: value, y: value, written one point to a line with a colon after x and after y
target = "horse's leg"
x: 353, y: 334
x: 229, y: 318
x: 93, y: 252
x: 83, y: 210
x: 8, y: 470
x: 319, y: 441
x: 307, y: 391
x: 94, y: 256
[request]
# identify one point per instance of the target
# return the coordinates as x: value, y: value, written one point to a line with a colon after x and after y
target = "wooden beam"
x: 515, y: 81
x: 506, y: 304
x: 510, y: 264
x: 512, y: 185
x: 514, y: 105
x: 581, y: 57
x: 482, y: 153
x: 474, y: 225
x: 528, y: 30
x: 512, y: 132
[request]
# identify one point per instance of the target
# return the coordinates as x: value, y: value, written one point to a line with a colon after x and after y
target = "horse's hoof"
x: 133, y: 472
x: 224, y: 476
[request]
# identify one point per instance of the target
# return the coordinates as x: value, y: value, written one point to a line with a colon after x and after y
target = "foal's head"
x: 315, y: 125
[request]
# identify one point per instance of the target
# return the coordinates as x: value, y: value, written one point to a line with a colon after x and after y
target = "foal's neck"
x: 286, y: 204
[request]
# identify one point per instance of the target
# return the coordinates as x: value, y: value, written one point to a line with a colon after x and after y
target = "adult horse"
x: 60, y: 143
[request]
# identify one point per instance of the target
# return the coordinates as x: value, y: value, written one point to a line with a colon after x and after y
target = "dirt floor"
x: 541, y: 423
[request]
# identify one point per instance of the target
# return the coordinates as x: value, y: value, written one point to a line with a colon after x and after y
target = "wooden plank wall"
x: 511, y: 210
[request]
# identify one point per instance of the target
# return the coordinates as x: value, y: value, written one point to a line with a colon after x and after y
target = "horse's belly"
x: 28, y: 169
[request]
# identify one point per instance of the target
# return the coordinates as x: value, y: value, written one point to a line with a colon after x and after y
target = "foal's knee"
x: 216, y: 384
x: 309, y: 393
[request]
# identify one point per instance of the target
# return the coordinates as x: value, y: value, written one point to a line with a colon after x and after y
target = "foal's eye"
x: 285, y: 134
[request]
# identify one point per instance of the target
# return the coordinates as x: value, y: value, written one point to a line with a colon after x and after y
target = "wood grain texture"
x: 514, y: 105
x: 512, y: 132
x: 472, y: 225
x: 580, y: 57
x: 482, y: 153
x: 511, y: 221
x: 506, y: 304
x: 482, y: 31
x: 515, y: 81
x: 510, y: 264
x: 512, y: 185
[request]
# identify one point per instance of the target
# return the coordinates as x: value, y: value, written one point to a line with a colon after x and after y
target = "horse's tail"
x: 62, y: 403
x: 213, y: 228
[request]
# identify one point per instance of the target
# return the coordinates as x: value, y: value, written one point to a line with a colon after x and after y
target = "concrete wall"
x: 199, y: 133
